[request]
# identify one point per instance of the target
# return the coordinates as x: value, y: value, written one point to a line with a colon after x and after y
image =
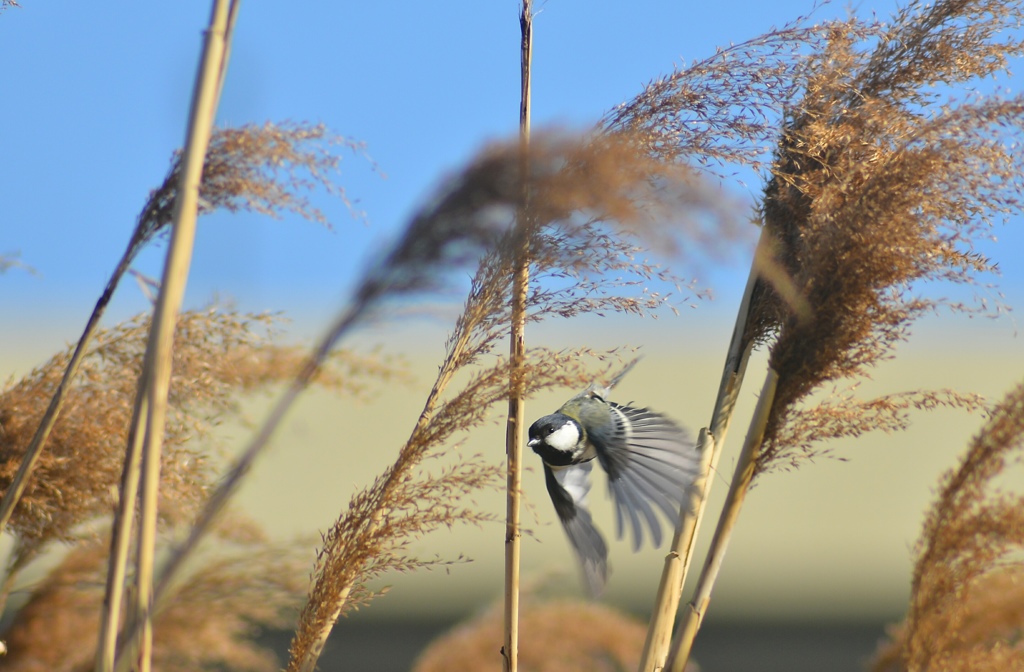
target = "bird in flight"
x: 649, y: 459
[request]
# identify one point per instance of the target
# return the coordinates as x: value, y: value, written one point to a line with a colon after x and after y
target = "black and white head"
x: 556, y: 438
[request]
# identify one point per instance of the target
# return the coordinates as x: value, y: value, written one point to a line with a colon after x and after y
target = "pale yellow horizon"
x: 831, y: 539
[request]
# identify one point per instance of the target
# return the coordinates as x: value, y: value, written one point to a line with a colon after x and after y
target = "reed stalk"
x: 117, y: 564
x: 124, y: 514
x: 156, y: 372
x: 515, y: 433
x: 746, y: 467
x: 709, y: 443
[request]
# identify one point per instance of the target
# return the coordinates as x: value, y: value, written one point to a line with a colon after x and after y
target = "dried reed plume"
x: 723, y: 110
x: 559, y: 635
x: 966, y: 592
x: 216, y: 612
x: 592, y: 198
x: 988, y: 629
x: 221, y: 354
x: 573, y: 188
x: 874, y: 191
x: 264, y: 169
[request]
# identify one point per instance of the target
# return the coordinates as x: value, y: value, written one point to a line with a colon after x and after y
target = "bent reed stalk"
x: 709, y: 443
x: 741, y: 480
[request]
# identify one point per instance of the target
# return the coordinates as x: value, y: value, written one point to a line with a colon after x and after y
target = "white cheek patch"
x: 564, y: 438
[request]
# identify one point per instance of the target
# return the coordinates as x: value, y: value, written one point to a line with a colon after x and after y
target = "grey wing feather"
x: 649, y: 460
x: 628, y: 505
x: 568, y: 491
x: 620, y: 375
x: 602, y: 391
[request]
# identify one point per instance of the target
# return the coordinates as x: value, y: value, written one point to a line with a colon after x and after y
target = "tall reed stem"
x: 124, y: 514
x: 683, y: 642
x: 709, y: 443
x: 156, y: 373
x: 117, y: 562
x: 515, y: 430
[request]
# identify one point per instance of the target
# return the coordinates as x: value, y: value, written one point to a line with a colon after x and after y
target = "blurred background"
x: 95, y: 100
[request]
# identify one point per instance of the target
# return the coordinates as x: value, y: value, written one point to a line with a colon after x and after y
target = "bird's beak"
x: 533, y: 442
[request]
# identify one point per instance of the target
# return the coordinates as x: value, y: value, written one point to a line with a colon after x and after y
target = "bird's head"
x: 555, y: 438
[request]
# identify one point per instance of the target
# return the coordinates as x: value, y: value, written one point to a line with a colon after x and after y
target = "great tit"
x: 649, y: 460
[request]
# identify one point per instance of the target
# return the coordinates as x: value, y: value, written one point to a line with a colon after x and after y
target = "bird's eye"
x: 551, y: 430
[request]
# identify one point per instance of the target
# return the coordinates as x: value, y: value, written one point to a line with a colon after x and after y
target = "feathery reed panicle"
x: 263, y: 169
x: 843, y: 415
x: 216, y: 613
x: 404, y: 503
x: 221, y: 354
x: 968, y: 580
x: 720, y: 113
x: 266, y: 169
x: 724, y: 109
x: 988, y: 629
x: 576, y: 188
x: 953, y: 42
x: 873, y: 192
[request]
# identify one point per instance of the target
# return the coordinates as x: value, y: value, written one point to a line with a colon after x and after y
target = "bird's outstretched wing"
x: 649, y: 460
x: 602, y: 390
x: 568, y: 488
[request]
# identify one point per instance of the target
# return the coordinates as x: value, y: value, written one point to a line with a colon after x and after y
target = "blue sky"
x: 96, y: 96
